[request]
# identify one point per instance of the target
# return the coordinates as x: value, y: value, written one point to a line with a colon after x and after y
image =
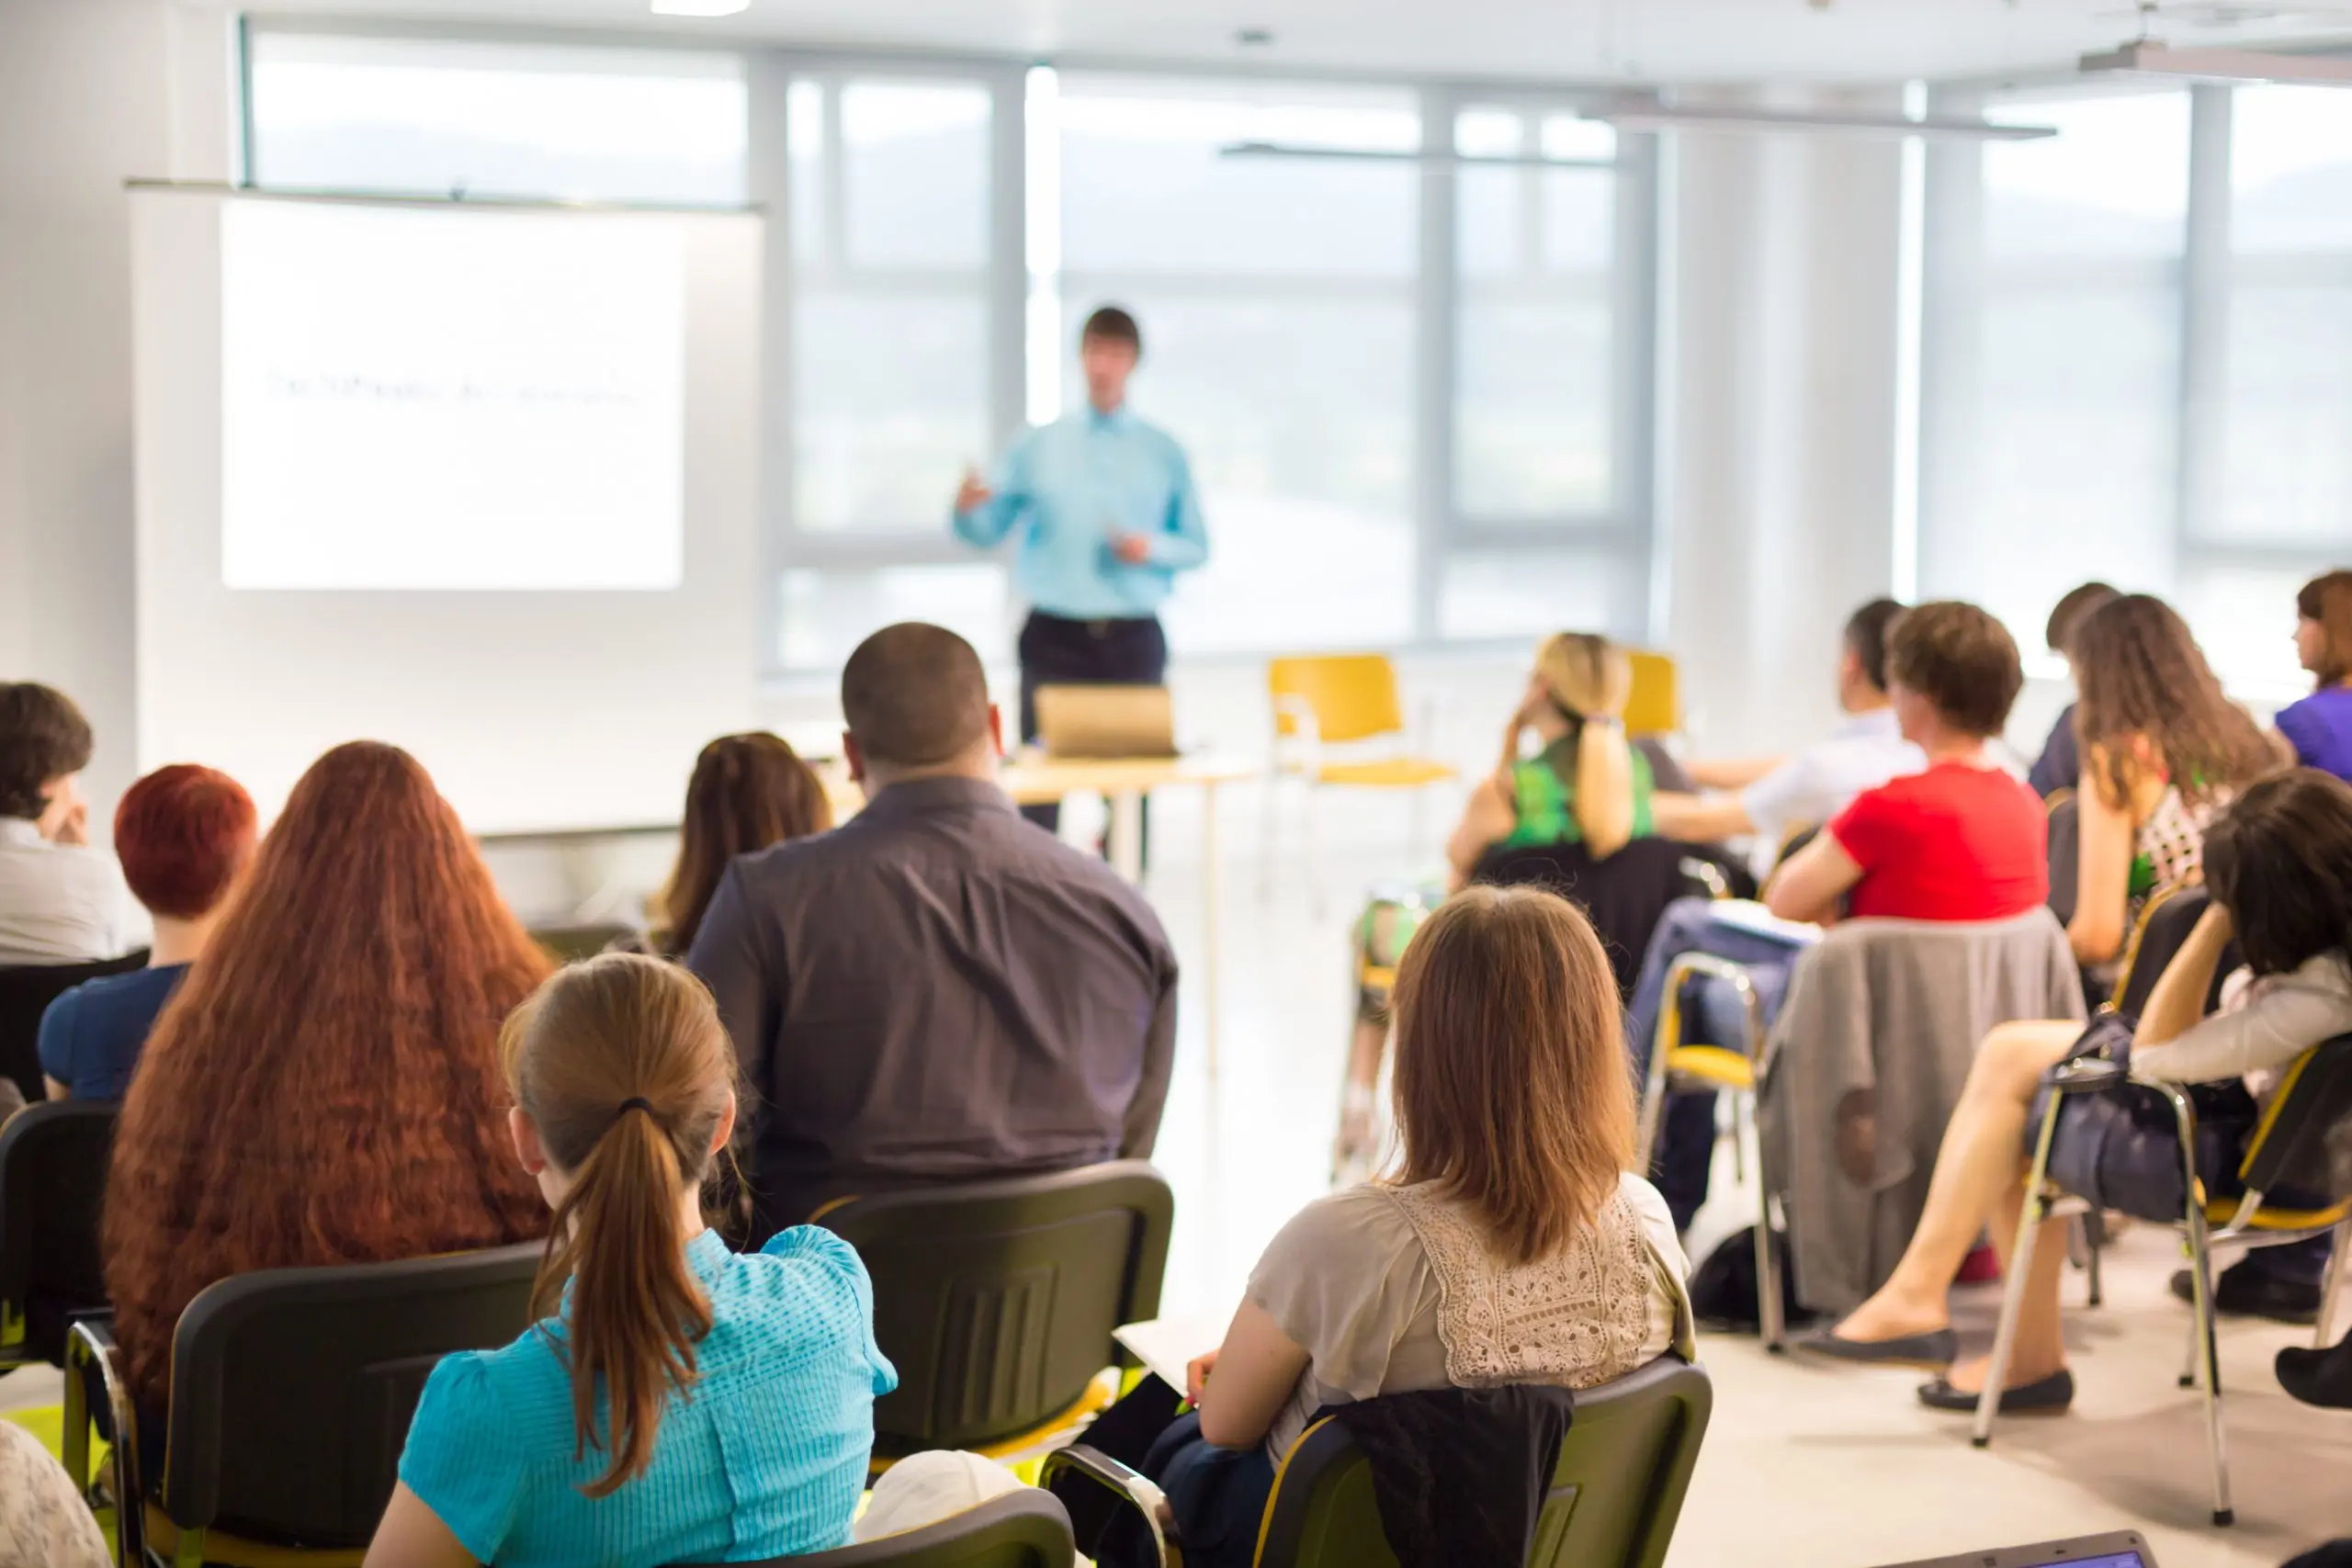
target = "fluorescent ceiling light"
x: 2150, y: 58
x: 699, y: 7
x: 1407, y: 155
x: 1644, y: 115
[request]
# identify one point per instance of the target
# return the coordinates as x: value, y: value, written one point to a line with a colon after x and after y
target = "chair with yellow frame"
x: 995, y: 1301
x: 1654, y: 706
x: 1611, y: 1501
x: 1349, y: 701
x: 2292, y: 1149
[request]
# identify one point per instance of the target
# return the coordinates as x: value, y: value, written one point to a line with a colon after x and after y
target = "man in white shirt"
x: 1773, y: 797
x: 62, y: 901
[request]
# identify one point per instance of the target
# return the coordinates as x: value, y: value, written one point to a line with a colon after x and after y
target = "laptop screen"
x: 2118, y: 1560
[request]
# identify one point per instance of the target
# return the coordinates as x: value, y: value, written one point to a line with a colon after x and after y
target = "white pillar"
x: 1779, y: 456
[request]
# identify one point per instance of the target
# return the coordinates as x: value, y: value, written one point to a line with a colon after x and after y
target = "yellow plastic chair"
x: 1340, y: 700
x: 1655, y: 704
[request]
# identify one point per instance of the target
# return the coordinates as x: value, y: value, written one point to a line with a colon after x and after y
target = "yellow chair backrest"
x: 1353, y: 696
x: 1655, y: 705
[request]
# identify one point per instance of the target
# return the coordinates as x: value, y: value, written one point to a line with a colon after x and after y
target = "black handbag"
x: 2120, y: 1147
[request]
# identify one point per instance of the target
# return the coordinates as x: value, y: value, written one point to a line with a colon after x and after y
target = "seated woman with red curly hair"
x: 326, y: 1087
x: 185, y: 835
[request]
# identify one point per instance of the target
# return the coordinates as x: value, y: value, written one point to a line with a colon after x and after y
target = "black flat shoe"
x: 2241, y: 1291
x: 2317, y: 1377
x: 2043, y: 1397
x: 1933, y: 1350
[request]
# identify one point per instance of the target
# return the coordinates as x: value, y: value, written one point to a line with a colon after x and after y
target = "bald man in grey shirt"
x: 937, y: 991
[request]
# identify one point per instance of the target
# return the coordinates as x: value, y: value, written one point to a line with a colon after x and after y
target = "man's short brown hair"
x: 2072, y: 611
x: 44, y: 737
x: 914, y: 695
x: 1962, y: 660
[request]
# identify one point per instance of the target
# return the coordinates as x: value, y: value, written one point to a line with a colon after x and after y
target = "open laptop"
x: 2121, y: 1548
x: 1105, y: 723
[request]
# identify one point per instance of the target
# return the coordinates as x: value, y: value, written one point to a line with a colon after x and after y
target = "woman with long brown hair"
x: 324, y: 1086
x: 2163, y: 748
x: 1515, y: 1122
x: 676, y: 1403
x: 748, y: 791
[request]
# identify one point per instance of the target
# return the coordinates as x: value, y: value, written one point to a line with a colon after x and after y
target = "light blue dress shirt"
x: 765, y: 1457
x: 1068, y: 488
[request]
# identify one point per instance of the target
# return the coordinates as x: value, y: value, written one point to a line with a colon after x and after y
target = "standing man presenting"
x: 1105, y: 509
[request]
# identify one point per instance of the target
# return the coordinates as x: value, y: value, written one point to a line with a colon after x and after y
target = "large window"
x: 1276, y: 298
x: 487, y: 120
x: 1404, y: 335
x: 2138, y: 360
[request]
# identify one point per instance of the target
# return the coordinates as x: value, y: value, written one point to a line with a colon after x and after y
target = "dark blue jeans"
x: 1710, y: 1016
x: 1218, y: 1497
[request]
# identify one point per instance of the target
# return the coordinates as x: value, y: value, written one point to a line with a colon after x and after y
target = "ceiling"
x: 1660, y: 40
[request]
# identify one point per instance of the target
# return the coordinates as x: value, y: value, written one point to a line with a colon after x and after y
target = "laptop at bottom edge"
x: 2118, y: 1549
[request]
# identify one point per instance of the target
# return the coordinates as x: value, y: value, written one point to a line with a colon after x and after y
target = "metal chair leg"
x: 1738, y: 1146
x: 2029, y: 1218
x: 1769, y: 1322
x: 2200, y: 1278
x: 2200, y: 1270
x: 2323, y: 1333
x: 1317, y: 899
x: 2094, y: 1232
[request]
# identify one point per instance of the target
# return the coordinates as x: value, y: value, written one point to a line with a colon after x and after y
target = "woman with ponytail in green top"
x: 1585, y: 785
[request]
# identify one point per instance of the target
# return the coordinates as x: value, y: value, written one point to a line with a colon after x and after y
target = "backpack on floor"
x: 1722, y: 1288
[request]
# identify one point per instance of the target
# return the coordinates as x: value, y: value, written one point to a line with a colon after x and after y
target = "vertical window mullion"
x: 2204, y: 325
x: 1436, y: 325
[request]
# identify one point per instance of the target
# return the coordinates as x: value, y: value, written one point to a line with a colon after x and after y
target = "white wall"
x: 1778, y: 441
x: 92, y: 92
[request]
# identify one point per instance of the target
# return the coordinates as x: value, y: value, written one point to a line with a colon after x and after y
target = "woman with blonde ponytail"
x: 676, y: 1401
x: 1585, y: 784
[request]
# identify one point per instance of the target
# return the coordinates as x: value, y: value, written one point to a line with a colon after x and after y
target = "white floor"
x: 1804, y: 1466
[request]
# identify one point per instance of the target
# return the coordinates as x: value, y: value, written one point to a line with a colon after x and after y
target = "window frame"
x: 2200, y: 410
x: 1624, y: 531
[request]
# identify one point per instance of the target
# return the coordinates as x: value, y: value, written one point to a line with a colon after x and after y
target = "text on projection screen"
x: 448, y: 399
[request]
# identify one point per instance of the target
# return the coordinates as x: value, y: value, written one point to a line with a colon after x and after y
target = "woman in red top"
x: 1963, y: 840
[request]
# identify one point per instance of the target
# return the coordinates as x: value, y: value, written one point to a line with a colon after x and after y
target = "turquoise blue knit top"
x: 764, y: 1457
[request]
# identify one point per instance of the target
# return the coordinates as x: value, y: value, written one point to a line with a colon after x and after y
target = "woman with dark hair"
x: 1959, y: 840
x: 748, y: 791
x: 185, y: 836
x: 2317, y: 730
x: 2279, y: 865
x: 1515, y: 1126
x: 2163, y: 751
x: 61, y: 901
x: 324, y: 1089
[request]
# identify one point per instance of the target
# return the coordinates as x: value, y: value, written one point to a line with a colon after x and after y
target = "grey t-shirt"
x: 1349, y: 1280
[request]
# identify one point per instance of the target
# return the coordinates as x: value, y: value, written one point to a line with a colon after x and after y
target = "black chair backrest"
x: 2305, y: 1141
x: 2162, y: 932
x: 2066, y: 857
x: 1021, y: 1530
x: 26, y: 992
x: 52, y: 1185
x: 1616, y: 1492
x: 1624, y: 897
x: 293, y: 1389
x: 995, y: 1300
